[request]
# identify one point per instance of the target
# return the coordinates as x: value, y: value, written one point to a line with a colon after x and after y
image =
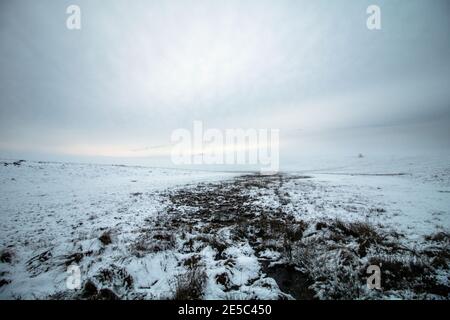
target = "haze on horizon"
x: 138, y: 70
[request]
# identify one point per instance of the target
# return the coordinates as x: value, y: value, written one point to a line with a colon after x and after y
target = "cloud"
x: 137, y: 71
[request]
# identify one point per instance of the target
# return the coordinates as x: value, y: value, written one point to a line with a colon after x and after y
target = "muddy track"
x: 321, y: 258
x: 235, y: 205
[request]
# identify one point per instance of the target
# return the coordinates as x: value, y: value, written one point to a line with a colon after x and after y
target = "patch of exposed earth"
x: 260, y: 240
x: 251, y: 237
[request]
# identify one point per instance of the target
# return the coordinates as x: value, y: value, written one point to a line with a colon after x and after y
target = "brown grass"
x: 190, y: 286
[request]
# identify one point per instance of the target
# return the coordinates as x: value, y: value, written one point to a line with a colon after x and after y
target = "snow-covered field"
x: 150, y: 233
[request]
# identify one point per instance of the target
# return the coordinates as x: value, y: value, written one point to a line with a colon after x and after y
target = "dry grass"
x: 190, y: 285
x: 438, y: 237
x: 6, y: 256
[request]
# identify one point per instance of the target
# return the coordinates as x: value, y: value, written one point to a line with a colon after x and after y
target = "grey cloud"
x: 138, y: 70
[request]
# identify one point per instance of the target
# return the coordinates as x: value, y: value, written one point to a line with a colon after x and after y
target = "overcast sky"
x: 137, y: 70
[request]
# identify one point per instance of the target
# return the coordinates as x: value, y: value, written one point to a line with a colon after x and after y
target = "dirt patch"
x: 105, y: 238
x: 325, y: 259
x: 290, y: 280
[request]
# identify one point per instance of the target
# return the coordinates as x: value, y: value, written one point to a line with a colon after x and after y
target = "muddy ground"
x: 325, y: 259
x: 249, y: 237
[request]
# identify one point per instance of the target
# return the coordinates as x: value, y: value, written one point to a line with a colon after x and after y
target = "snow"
x: 65, y: 208
x: 50, y: 212
x: 415, y: 191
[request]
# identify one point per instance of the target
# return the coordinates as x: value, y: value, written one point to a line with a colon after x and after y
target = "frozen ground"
x: 147, y: 233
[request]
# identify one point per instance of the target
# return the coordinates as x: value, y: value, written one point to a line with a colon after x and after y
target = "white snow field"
x: 143, y: 233
x: 64, y: 208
